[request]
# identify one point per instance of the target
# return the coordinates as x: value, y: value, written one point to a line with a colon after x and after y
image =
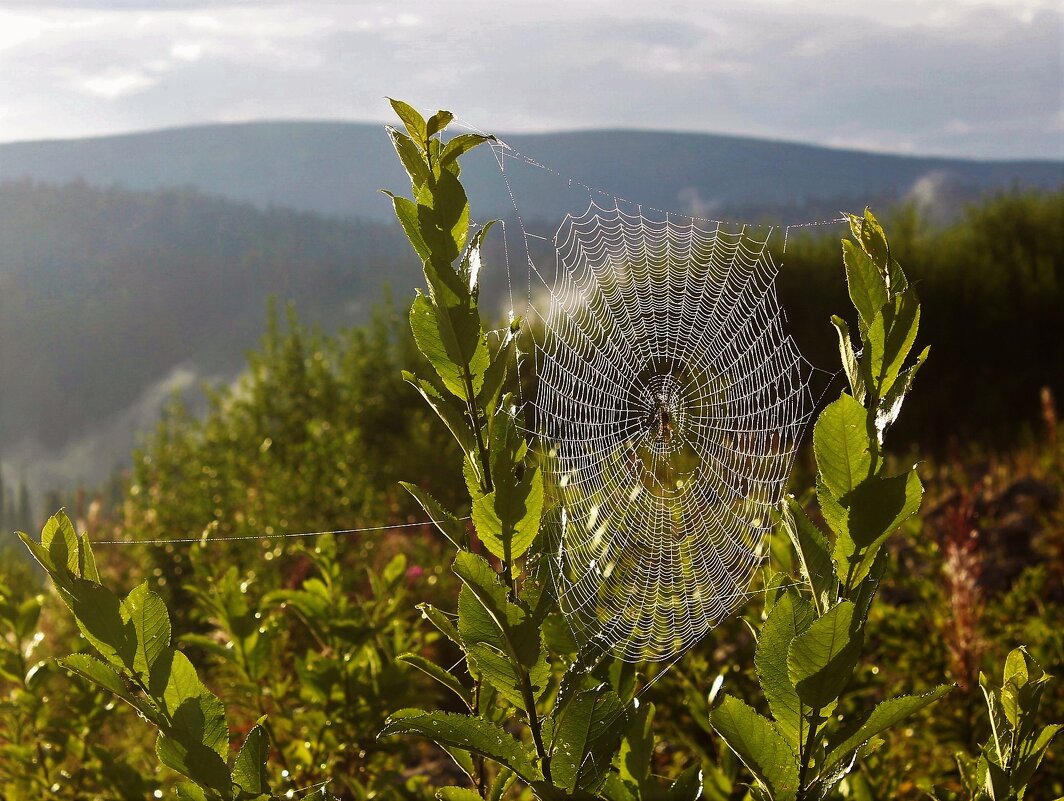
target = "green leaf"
x: 1016, y: 671
x: 814, y: 552
x: 98, y: 614
x: 840, y: 442
x: 889, y: 339
x: 438, y: 121
x: 440, y: 621
x: 507, y: 519
x: 452, y: 415
x: 890, y: 405
x: 868, y: 289
x: 88, y: 560
x: 850, y: 363
x: 871, y: 513
x: 637, y: 749
x: 587, y: 734
x: 971, y: 770
x: 406, y: 211
x: 1025, y: 768
x: 249, y: 769
x: 609, y: 721
x: 501, y: 641
x: 495, y: 375
x: 414, y: 122
x: 192, y: 760
x: 687, y: 787
x: 997, y: 782
x: 197, y: 716
x: 616, y: 789
x: 578, y: 676
x: 412, y: 157
x: 790, y: 616
x: 190, y: 792
x: 570, y: 739
x: 440, y: 674
x: 461, y: 145
x: 435, y: 336
x: 834, y: 514
x: 873, y: 240
x: 469, y: 268
x: 1000, y: 731
x: 443, y: 219
x: 39, y: 553
x: 62, y: 543
x: 863, y: 591
x: 885, y: 715
x: 1022, y: 686
x: 449, y: 525
x: 821, y: 659
x: 105, y: 676
x: 503, y: 782
x: 457, y: 794
x: 469, y: 733
x: 879, y: 505
x: 151, y: 622
x: 760, y: 745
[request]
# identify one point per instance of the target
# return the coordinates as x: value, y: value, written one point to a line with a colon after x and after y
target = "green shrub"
x: 313, y: 646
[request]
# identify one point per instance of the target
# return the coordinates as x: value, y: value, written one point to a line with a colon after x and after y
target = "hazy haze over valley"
x: 135, y: 263
x: 138, y: 265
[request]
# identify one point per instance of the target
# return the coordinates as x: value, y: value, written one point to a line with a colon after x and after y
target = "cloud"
x: 91, y: 458
x: 977, y: 78
x: 112, y: 83
x: 927, y: 189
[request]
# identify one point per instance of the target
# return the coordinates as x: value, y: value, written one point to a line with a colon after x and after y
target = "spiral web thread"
x: 670, y: 402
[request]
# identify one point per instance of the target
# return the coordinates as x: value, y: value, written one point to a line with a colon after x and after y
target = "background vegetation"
x: 320, y: 427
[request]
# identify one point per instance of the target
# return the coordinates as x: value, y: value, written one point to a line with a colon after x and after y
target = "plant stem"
x: 849, y: 572
x: 474, y: 415
x: 485, y: 465
x: 534, y: 725
x: 807, y: 749
x: 481, y: 779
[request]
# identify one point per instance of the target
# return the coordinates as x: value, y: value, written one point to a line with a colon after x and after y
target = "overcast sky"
x: 959, y: 77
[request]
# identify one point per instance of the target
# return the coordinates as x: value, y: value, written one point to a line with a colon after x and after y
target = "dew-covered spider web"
x: 668, y: 400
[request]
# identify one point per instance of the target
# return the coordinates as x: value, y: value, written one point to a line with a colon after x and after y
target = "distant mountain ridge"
x: 112, y: 299
x: 135, y: 266
x: 335, y: 168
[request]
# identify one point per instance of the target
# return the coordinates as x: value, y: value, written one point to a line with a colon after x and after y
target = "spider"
x: 661, y: 423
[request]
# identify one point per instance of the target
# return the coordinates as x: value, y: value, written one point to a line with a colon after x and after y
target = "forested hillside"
x: 126, y: 295
x: 130, y: 296
x: 335, y: 168
x: 257, y: 606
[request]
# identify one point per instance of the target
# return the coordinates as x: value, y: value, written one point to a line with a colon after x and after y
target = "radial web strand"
x: 669, y: 401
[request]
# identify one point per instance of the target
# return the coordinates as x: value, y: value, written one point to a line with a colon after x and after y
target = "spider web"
x: 669, y: 401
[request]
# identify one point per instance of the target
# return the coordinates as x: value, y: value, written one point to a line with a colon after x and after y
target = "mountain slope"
x: 119, y: 288
x: 335, y: 168
x: 111, y: 298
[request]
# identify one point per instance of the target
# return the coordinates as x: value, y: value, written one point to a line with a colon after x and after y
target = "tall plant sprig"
x: 1005, y: 767
x: 136, y: 662
x: 507, y: 499
x: 812, y: 637
x: 583, y: 735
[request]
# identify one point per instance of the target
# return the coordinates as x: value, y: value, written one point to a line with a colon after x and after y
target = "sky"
x: 973, y: 78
